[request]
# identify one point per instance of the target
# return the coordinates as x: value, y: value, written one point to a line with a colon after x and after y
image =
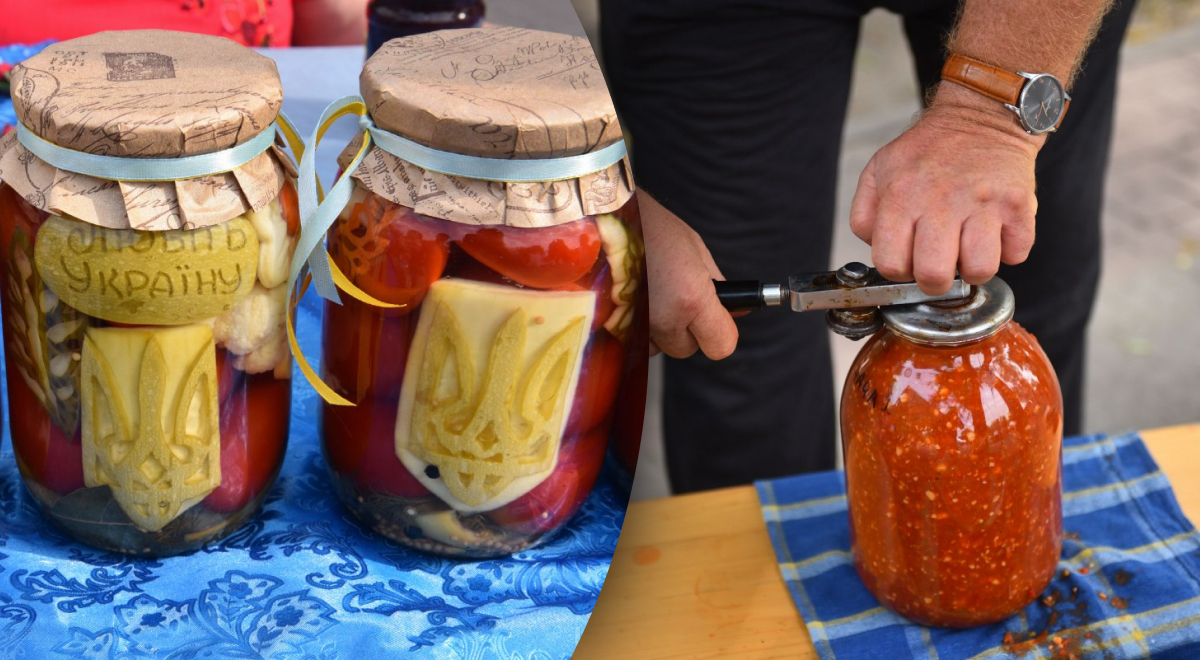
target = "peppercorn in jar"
x: 147, y: 223
x: 952, y: 433
x: 494, y: 245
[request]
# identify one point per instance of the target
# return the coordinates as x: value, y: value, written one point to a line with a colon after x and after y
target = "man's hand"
x: 685, y: 314
x: 954, y: 191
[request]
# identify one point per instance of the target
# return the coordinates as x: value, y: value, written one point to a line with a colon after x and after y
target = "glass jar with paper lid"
x: 952, y: 432
x: 490, y: 265
x: 147, y: 223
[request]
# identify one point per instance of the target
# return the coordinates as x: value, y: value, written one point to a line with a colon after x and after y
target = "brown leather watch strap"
x: 993, y: 82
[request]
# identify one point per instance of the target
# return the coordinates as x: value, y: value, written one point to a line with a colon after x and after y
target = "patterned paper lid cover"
x: 146, y: 94
x: 497, y: 92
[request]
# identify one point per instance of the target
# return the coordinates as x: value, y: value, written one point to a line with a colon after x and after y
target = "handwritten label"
x: 155, y: 278
x: 868, y: 392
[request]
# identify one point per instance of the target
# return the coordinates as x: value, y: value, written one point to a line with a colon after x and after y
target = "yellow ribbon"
x: 316, y: 221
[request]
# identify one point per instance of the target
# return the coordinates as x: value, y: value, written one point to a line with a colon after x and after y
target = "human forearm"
x: 957, y: 189
x: 685, y: 314
x: 1017, y: 35
x: 1028, y: 35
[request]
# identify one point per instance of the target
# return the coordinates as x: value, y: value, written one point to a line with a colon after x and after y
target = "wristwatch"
x: 1038, y: 99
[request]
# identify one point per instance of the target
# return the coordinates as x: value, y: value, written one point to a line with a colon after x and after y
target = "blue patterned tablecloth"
x: 300, y: 582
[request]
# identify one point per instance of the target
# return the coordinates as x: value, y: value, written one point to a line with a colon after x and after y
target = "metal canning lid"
x: 954, y: 322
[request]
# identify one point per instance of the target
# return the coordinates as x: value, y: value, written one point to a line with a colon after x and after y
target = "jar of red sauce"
x: 483, y: 403
x: 149, y: 377
x: 952, y: 433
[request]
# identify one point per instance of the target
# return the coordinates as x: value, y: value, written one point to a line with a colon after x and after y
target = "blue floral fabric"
x: 301, y: 581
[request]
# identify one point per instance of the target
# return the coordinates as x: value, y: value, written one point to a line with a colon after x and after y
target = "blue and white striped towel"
x: 1127, y: 540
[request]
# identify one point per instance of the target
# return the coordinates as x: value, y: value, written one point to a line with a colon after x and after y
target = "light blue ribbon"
x: 318, y: 216
x: 126, y: 168
x: 494, y: 169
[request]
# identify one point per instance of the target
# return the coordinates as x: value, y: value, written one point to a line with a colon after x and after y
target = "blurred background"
x: 1144, y: 352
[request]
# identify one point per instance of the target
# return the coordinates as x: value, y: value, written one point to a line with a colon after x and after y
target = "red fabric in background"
x: 249, y: 22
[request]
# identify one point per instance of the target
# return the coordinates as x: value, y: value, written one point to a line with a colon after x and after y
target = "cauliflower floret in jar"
x: 271, y: 356
x: 254, y: 329
x: 275, y: 247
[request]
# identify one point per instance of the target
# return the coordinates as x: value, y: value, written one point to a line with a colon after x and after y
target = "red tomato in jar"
x: 291, y: 207
x: 228, y: 377
x: 254, y: 429
x: 599, y: 381
x: 631, y: 400
x: 365, y: 351
x: 27, y: 421
x: 630, y: 416
x: 64, y: 462
x: 598, y: 280
x: 22, y: 216
x: 540, y: 257
x: 360, y: 442
x: 467, y: 268
x: 52, y: 459
x: 390, y: 252
x: 552, y: 502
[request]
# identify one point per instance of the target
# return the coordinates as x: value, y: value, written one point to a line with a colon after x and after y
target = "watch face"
x: 1042, y: 103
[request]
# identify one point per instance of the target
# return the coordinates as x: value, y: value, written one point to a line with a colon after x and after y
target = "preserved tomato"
x: 626, y: 438
x: 390, y: 252
x: 365, y: 350
x: 542, y: 257
x: 556, y: 499
x: 953, y: 474
x: 598, y: 383
x: 254, y: 431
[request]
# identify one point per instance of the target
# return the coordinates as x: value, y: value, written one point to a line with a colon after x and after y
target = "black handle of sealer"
x: 740, y: 295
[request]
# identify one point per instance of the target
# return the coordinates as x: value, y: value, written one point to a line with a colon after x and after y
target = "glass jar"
x: 485, y: 398
x: 392, y: 19
x: 572, y: 271
x: 952, y: 433
x: 148, y: 370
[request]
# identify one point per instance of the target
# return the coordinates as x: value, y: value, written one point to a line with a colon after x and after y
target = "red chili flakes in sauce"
x: 953, y: 475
